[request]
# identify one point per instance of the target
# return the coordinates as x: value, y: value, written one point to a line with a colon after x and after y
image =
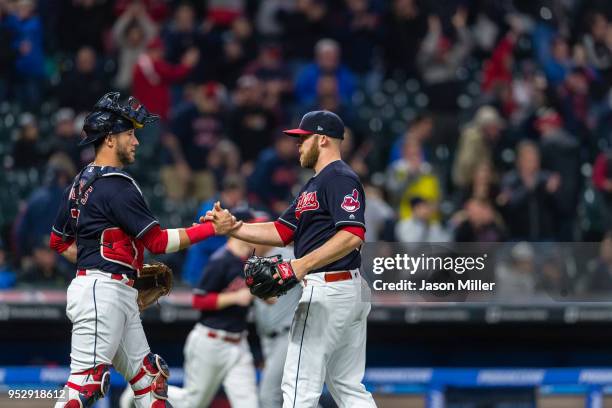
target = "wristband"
x: 200, y: 232
x: 205, y: 302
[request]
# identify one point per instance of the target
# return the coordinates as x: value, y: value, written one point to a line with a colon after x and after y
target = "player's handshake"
x: 223, y: 221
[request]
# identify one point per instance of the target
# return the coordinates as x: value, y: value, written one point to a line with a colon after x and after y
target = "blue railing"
x: 431, y: 382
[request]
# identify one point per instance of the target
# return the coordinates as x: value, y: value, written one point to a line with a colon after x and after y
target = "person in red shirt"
x: 153, y: 76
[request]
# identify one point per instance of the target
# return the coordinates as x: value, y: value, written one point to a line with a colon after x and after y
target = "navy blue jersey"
x: 107, y: 221
x: 223, y: 273
x: 330, y: 200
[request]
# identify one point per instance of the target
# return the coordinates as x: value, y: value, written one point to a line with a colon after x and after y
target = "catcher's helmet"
x: 109, y: 116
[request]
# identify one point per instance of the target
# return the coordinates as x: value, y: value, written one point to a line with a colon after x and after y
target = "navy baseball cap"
x: 320, y: 122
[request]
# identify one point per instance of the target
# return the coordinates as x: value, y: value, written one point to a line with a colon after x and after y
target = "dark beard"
x: 124, y: 157
x: 311, y: 157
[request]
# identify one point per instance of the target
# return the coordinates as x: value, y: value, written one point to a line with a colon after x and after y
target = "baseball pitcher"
x: 326, y: 224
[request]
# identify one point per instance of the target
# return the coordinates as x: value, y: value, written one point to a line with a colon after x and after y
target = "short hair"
x: 325, y: 43
x: 232, y: 182
x: 422, y: 116
x: 97, y: 144
x: 417, y: 200
x: 527, y: 144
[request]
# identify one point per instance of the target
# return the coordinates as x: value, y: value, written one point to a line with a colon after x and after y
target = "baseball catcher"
x: 104, y: 226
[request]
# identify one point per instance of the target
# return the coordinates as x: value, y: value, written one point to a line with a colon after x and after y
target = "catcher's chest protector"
x: 105, y: 234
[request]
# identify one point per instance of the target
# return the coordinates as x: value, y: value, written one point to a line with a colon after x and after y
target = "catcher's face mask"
x: 109, y: 116
x: 133, y: 110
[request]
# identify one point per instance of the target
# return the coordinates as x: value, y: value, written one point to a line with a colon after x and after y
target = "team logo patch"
x: 306, y: 202
x: 285, y: 270
x: 351, y: 202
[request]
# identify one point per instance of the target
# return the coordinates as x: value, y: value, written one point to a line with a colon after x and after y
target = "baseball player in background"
x: 103, y: 226
x: 326, y: 223
x: 273, y: 322
x: 216, y: 351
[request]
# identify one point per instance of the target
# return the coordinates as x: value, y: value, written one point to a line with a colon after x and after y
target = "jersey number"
x: 75, y: 213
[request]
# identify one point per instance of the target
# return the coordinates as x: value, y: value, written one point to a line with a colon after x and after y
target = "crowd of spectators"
x: 504, y: 111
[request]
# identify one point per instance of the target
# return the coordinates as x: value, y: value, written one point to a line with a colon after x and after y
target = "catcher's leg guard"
x: 86, y: 387
x: 152, y: 381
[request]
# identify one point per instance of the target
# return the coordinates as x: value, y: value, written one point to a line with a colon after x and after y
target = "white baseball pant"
x: 210, y: 362
x: 106, y: 329
x: 275, y: 352
x: 327, y: 344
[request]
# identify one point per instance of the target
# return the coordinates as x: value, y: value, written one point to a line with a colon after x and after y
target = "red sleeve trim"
x: 599, y: 171
x: 285, y: 233
x: 355, y: 230
x: 155, y: 240
x: 205, y: 302
x: 57, y: 244
x: 200, y: 232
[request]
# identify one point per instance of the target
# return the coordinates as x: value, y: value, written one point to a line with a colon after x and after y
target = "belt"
x: 220, y: 334
x: 275, y: 334
x: 328, y: 277
x: 215, y: 335
x: 116, y: 276
x: 338, y: 276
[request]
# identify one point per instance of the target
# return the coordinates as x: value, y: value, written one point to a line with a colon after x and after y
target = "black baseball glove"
x: 259, y: 276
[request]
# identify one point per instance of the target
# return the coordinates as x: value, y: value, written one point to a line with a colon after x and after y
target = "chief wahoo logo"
x: 351, y: 202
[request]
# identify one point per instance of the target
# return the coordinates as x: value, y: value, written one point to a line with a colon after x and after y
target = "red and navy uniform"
x: 223, y: 273
x: 330, y: 201
x: 105, y: 212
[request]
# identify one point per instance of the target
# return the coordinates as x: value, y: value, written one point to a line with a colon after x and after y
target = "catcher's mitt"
x: 259, y: 276
x: 154, y: 281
